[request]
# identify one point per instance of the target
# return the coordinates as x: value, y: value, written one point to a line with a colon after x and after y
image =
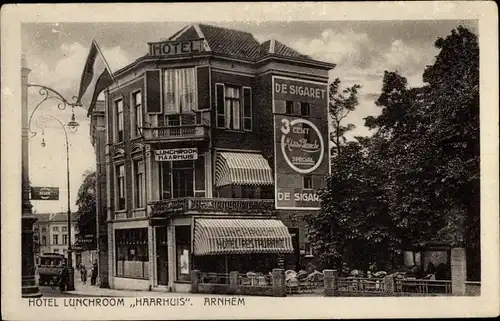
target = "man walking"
x: 93, y: 277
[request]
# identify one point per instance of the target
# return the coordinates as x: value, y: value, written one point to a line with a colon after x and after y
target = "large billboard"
x: 301, y: 142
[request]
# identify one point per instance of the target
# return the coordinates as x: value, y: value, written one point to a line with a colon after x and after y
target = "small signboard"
x: 170, y: 48
x: 176, y: 154
x: 45, y: 193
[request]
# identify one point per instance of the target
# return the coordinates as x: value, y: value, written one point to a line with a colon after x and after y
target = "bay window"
x: 234, y: 107
x: 132, y: 256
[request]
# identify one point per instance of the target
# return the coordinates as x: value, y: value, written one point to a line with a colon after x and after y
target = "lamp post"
x: 29, y: 287
x: 73, y: 126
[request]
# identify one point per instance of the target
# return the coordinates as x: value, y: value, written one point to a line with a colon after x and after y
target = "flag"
x: 96, y: 77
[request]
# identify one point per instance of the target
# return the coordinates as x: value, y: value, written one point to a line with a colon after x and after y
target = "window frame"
x: 64, y: 238
x: 164, y: 91
x: 55, y: 239
x: 244, y: 117
x: 135, y: 167
x: 304, y: 178
x: 117, y: 187
x: 136, y: 123
x: 119, y: 116
x: 221, y: 117
x: 308, y: 107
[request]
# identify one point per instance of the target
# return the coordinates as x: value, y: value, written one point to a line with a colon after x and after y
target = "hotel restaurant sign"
x: 170, y: 48
x: 301, y: 143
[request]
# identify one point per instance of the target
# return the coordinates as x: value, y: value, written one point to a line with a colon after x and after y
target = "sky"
x: 56, y: 52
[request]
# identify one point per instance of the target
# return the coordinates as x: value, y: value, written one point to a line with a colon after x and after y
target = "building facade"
x: 51, y: 234
x: 215, y: 147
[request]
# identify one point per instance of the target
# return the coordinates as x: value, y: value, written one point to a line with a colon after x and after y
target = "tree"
x: 342, y: 102
x: 86, y: 202
x: 417, y: 178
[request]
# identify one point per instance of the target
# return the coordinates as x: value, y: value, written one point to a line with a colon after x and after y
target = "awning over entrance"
x: 242, y: 169
x: 240, y: 236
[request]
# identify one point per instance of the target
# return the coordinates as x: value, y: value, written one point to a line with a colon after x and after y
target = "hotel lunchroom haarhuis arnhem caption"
x: 218, y: 145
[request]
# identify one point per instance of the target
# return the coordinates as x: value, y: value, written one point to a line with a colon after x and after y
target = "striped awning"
x: 241, y: 236
x: 242, y: 169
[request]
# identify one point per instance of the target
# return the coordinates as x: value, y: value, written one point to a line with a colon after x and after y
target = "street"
x: 47, y: 291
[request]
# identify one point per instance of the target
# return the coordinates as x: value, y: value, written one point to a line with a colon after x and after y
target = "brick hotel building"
x: 209, y: 154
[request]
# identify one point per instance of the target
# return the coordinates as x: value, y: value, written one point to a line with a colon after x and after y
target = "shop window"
x: 165, y: 180
x: 120, y: 187
x: 136, y: 120
x: 55, y: 239
x: 305, y: 109
x: 138, y: 183
x: 119, y: 120
x: 183, y: 252
x: 132, y: 256
x: 307, y: 182
x: 183, y: 178
x: 234, y: 107
x: 179, y: 90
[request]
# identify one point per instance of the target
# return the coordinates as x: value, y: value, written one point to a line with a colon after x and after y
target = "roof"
x: 55, y: 217
x: 235, y: 43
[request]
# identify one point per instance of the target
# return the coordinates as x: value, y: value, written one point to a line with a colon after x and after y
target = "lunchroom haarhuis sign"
x: 176, y: 154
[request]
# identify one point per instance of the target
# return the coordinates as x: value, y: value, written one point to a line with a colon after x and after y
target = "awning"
x: 241, y: 236
x: 242, y: 169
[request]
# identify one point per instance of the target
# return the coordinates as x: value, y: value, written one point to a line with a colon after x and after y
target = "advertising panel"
x: 45, y: 193
x: 301, y: 142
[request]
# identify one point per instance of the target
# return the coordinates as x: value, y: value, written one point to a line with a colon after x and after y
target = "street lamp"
x: 73, y: 127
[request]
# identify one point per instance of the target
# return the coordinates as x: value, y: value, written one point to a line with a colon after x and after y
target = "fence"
x: 236, y: 283
x: 390, y: 286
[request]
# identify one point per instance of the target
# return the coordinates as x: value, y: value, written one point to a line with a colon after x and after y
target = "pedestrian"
x: 63, y: 278
x: 83, y: 274
x: 93, y: 277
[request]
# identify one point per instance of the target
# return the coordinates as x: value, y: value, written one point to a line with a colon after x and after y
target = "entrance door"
x: 161, y: 255
x: 182, y: 179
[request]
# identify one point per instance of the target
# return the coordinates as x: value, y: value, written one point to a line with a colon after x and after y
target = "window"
x: 132, y: 257
x: 305, y: 109
x: 44, y: 240
x: 56, y: 250
x: 55, y: 228
x: 234, y: 108
x: 289, y: 107
x: 120, y: 187
x: 119, y: 120
x: 139, y: 184
x: 307, y: 182
x: 180, y: 90
x: 55, y: 239
x: 65, y: 239
x: 64, y: 229
x: 308, y: 249
x: 183, y: 255
x: 136, y: 122
x: 182, y: 178
x: 44, y: 230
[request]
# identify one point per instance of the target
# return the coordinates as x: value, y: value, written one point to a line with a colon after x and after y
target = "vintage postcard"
x: 250, y: 160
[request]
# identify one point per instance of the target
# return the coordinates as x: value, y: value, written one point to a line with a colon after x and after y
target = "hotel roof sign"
x: 171, y: 48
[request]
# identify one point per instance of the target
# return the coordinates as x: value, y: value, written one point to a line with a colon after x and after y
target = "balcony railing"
x: 178, y: 127
x: 194, y: 205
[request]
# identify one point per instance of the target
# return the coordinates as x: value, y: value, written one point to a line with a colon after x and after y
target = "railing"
x: 204, y: 205
x: 360, y: 285
x: 422, y: 287
x: 190, y: 126
x: 176, y: 132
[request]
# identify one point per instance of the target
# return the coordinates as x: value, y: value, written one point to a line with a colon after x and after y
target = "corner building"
x: 215, y: 147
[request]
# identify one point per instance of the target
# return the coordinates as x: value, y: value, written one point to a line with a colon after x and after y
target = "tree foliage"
x: 416, y: 180
x: 86, y: 202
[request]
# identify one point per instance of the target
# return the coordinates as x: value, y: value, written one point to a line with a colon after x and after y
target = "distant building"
x: 209, y: 156
x: 51, y: 234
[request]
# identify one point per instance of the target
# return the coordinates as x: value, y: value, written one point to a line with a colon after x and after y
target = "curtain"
x: 179, y: 90
x: 232, y: 104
